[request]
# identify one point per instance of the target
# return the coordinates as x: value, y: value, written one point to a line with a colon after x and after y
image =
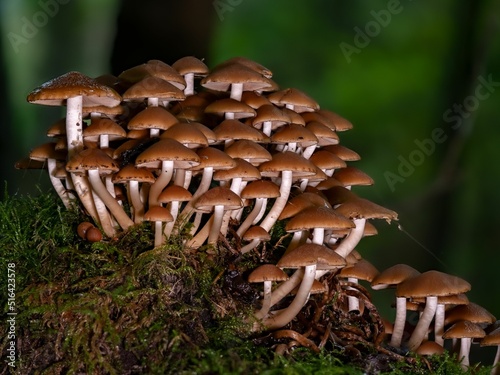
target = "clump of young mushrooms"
x: 229, y: 152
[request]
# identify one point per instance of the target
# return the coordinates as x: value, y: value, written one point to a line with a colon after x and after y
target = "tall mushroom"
x: 310, y: 257
x: 166, y: 154
x: 430, y: 285
x: 74, y: 90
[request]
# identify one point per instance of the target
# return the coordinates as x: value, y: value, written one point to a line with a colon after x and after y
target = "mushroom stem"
x: 74, y: 136
x: 216, y: 224
x: 399, y: 322
x: 266, y: 301
x: 236, y: 91
x: 189, y: 89
x: 116, y: 210
x: 280, y: 202
x: 423, y: 324
x: 463, y: 355
x: 439, y: 324
x: 287, y: 286
x: 201, y: 236
x: 349, y: 243
x: 353, y: 302
x: 56, y: 183
x: 104, y: 218
x: 247, y: 223
x: 167, y: 170
x: 74, y: 125
x: 158, y: 233
x: 284, y: 317
x: 137, y: 204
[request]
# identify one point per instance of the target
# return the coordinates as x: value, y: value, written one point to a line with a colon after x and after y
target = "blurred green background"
x: 419, y: 80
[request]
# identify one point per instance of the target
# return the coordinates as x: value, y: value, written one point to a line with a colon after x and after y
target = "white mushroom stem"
x: 280, y: 202
x: 247, y: 223
x: 260, y: 215
x: 167, y: 170
x: 116, y: 210
x: 353, y: 302
x: 153, y: 102
x: 158, y: 233
x: 206, y: 179
x: 104, y: 141
x: 266, y: 300
x: 74, y: 125
x: 250, y: 246
x: 56, y: 183
x: 463, y: 355
x: 287, y: 286
x: 135, y: 197
x: 285, y: 316
x: 236, y: 91
x: 174, y: 211
x: 201, y: 236
x: 423, y: 324
x: 318, y: 236
x: 308, y: 151
x: 189, y: 89
x: 267, y: 128
x: 439, y: 324
x: 349, y: 243
x: 104, y: 218
x: 216, y: 224
x: 74, y: 136
x: 399, y: 322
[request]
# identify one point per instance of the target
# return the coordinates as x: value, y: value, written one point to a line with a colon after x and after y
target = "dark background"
x: 414, y: 70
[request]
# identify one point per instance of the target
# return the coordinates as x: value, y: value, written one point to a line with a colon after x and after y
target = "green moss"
x: 121, y: 307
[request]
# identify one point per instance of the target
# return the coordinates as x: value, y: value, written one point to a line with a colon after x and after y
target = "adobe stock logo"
x: 363, y: 36
x: 31, y: 27
x: 454, y: 116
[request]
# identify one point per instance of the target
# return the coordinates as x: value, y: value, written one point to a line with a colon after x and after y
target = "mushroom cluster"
x: 224, y: 153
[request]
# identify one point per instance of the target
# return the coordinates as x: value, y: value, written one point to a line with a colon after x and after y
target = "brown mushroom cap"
x: 71, y: 84
x: 295, y: 97
x: 103, y: 126
x: 191, y: 64
x: 154, y: 68
x: 222, y: 106
x: 393, y: 275
x: 218, y: 196
x: 350, y: 176
x: 158, y: 213
x: 432, y: 283
x: 464, y: 329
x: 234, y: 129
x: 287, y: 161
x: 92, y: 158
x: 153, y: 87
x: 152, y: 118
x: 215, y: 158
x: 260, y: 189
x: 318, y: 217
x: 167, y: 149
x: 222, y: 77
x: 471, y: 312
x: 362, y: 270
x: 309, y: 254
x: 131, y: 173
x: 267, y: 272
x: 174, y: 193
x: 300, y: 203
